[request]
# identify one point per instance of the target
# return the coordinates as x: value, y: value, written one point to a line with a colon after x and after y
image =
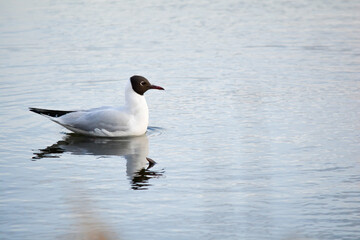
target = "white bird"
x: 130, y: 120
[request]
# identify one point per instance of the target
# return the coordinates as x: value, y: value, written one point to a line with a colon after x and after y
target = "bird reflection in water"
x: 133, y: 149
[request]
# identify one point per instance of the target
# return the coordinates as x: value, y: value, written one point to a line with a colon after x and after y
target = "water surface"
x: 257, y: 135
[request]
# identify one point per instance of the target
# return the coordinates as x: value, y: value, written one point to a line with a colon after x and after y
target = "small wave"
x: 154, y: 131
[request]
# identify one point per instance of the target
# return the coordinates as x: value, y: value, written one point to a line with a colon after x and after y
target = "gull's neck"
x: 136, y: 103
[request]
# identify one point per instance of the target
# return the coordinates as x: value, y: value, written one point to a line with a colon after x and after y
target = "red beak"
x: 156, y: 87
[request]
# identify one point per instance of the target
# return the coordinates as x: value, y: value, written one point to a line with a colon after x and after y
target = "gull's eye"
x: 143, y: 83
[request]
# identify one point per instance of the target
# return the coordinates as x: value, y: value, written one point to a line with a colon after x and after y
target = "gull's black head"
x: 140, y: 85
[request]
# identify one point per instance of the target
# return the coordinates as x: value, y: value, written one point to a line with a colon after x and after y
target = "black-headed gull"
x: 129, y: 120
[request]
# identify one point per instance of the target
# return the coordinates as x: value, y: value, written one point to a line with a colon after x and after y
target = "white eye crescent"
x: 143, y: 83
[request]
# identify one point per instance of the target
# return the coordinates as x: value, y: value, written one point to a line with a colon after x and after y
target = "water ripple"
x: 155, y: 131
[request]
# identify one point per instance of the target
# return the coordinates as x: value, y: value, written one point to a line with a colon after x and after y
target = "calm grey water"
x: 257, y: 135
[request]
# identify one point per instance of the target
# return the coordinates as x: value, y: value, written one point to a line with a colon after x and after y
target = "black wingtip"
x: 32, y: 109
x: 35, y: 110
x: 47, y: 112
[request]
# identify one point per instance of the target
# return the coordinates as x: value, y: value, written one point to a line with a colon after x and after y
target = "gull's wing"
x: 99, y: 121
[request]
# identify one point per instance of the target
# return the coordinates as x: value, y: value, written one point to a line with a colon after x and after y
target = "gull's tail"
x: 50, y: 113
